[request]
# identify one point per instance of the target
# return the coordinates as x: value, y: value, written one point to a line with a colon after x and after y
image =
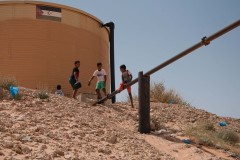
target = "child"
x: 126, y: 78
x: 101, y: 83
x: 59, y: 91
x: 73, y: 80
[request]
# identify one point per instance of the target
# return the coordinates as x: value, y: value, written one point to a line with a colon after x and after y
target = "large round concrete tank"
x: 40, y: 42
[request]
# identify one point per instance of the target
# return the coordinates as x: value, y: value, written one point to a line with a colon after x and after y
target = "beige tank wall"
x: 40, y: 53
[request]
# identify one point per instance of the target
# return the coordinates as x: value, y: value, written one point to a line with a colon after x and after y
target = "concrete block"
x: 87, y: 97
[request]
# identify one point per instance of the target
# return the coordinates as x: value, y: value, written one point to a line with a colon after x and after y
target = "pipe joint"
x: 109, y: 24
x: 205, y: 41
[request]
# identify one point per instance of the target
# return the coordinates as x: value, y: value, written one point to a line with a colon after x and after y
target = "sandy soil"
x: 62, y: 128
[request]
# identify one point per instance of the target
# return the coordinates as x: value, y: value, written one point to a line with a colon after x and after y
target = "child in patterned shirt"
x: 126, y: 78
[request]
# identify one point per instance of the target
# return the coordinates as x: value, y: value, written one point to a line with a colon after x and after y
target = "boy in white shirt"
x: 101, y: 80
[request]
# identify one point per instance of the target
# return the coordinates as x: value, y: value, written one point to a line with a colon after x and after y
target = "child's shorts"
x: 75, y: 85
x: 100, y: 85
x: 122, y: 86
x: 72, y: 81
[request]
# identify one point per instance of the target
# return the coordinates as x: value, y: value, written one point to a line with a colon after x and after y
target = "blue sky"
x: 149, y: 32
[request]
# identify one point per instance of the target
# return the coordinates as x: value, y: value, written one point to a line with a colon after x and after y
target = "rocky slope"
x: 62, y: 128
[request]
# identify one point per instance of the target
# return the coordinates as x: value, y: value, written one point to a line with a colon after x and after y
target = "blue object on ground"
x: 187, y: 141
x: 222, y: 124
x: 14, y: 91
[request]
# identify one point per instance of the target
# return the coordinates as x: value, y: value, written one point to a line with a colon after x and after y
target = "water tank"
x: 40, y: 42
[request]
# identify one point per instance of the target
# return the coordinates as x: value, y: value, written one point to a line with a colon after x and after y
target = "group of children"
x: 101, y: 81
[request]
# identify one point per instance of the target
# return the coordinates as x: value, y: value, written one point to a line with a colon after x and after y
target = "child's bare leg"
x: 131, y: 99
x: 120, y: 88
x: 104, y: 91
x: 98, y: 94
x: 74, y: 94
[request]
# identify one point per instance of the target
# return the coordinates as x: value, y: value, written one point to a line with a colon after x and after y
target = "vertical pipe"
x: 144, y: 103
x: 112, y: 61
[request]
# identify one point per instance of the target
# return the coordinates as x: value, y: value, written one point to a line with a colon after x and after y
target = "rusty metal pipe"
x: 205, y: 41
x: 144, y: 103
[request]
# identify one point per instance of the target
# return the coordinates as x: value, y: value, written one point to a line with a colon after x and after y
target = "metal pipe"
x: 112, y: 61
x: 144, y: 103
x: 205, y: 41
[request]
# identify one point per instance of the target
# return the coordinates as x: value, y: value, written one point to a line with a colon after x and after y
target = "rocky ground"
x: 180, y: 117
x: 62, y: 128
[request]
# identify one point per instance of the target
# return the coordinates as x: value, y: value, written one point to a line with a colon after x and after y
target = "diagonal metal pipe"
x: 204, y: 42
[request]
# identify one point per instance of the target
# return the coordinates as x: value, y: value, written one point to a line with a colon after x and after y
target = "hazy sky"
x: 148, y: 32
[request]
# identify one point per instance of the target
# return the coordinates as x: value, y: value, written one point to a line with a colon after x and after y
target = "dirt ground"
x: 63, y: 128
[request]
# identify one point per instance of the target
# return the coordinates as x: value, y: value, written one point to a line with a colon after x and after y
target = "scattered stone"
x: 3, y: 129
x: 20, y: 118
x: 112, y: 139
x: 187, y: 146
x: 27, y: 138
x: 43, y: 147
x: 193, y: 120
x: 8, y: 145
x: 81, y: 134
x: 68, y: 156
x: 58, y: 153
x: 105, y: 151
x: 199, y: 151
x: 26, y: 149
x: 62, y: 128
x: 18, y: 149
x: 161, y: 131
x: 175, y: 150
x: 180, y: 134
x: 2, y: 154
x: 13, y: 103
x: 152, y: 126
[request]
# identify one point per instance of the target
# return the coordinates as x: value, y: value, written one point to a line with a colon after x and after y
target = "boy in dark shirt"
x: 74, y: 79
x: 126, y: 78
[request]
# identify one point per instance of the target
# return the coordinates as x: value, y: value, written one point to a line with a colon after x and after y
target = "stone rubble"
x: 63, y: 128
